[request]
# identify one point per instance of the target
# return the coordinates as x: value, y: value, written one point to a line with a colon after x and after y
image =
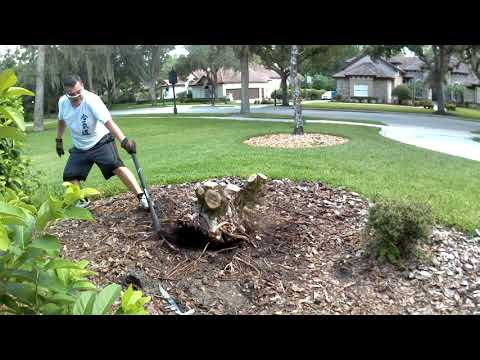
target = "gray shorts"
x: 104, y: 154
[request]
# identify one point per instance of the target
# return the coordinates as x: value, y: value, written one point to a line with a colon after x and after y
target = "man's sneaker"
x: 82, y: 203
x: 142, y: 201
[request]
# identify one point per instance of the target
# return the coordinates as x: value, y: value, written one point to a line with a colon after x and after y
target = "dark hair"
x: 71, y: 80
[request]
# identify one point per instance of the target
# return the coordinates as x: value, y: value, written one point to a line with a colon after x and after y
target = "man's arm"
x: 115, y: 130
x: 60, y: 128
x: 128, y: 145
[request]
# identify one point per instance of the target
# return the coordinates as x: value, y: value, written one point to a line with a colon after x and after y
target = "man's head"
x: 73, y: 86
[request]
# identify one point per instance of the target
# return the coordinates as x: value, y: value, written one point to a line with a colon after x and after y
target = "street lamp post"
x: 172, y: 78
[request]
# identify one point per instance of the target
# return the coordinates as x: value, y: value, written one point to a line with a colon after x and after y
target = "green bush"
x: 321, y: 81
x: 313, y: 94
x: 34, y: 279
x: 402, y: 92
x: 15, y: 170
x: 207, y: 100
x: 278, y: 94
x: 427, y: 104
x: 451, y: 106
x: 395, y: 228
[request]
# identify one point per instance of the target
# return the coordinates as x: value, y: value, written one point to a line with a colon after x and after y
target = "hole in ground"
x: 191, y: 237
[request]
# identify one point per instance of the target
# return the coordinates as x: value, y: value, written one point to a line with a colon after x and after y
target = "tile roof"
x: 256, y: 74
x: 367, y: 67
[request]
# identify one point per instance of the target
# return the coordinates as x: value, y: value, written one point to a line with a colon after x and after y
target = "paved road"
x: 444, y: 134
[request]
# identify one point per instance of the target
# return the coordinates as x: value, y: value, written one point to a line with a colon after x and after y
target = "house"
x: 262, y: 82
x: 167, y: 88
x: 362, y: 77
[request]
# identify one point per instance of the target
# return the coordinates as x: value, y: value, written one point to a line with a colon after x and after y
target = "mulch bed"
x: 307, y: 258
x: 288, y: 141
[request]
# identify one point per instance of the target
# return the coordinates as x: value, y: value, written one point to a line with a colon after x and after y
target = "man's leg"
x: 110, y: 164
x: 128, y: 179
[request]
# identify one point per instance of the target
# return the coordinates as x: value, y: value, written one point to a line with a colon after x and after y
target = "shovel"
x: 155, y: 221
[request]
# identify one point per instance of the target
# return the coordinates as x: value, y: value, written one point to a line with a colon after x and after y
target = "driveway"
x: 444, y: 134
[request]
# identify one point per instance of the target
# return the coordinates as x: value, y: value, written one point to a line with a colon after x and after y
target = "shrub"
x: 338, y: 97
x: 427, y: 104
x: 15, y: 171
x: 278, y: 94
x: 34, y: 279
x: 267, y: 101
x: 394, y: 228
x: 451, y: 106
x: 314, y: 94
x: 402, y: 93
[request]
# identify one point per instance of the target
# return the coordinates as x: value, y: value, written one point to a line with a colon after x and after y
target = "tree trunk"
x: 39, y: 91
x: 89, y: 73
x: 153, y: 93
x: 283, y: 85
x: 245, y: 107
x: 440, y: 99
x: 297, y: 110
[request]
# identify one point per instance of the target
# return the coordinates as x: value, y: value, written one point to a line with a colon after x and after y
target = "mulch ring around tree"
x: 306, y: 258
x: 288, y: 141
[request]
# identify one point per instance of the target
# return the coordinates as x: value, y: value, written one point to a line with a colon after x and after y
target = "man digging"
x: 93, y: 134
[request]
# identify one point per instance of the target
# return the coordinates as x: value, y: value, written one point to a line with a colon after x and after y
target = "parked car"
x: 329, y: 95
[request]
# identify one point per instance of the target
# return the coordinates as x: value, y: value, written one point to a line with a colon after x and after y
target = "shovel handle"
x: 155, y: 221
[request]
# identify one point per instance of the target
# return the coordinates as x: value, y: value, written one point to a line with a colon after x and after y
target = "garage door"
x: 235, y: 93
x: 253, y: 93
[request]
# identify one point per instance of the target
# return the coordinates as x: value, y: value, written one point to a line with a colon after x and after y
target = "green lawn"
x: 473, y: 114
x: 281, y: 116
x: 188, y: 149
x: 134, y: 106
x: 251, y: 115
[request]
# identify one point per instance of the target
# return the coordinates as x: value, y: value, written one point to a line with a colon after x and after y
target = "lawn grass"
x: 306, y: 117
x: 251, y: 115
x: 188, y: 149
x: 471, y: 114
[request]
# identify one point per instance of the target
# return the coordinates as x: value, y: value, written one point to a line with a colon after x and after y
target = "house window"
x: 360, y: 90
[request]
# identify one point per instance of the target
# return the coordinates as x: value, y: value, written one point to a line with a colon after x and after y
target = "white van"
x: 327, y: 95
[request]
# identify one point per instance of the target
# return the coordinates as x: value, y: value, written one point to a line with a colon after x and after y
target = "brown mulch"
x: 307, y: 258
x: 287, y: 141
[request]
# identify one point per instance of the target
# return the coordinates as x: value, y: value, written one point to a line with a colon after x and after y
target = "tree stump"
x: 226, y: 213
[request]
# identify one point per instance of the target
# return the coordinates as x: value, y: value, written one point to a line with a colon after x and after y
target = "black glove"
x: 60, y: 151
x: 129, y: 146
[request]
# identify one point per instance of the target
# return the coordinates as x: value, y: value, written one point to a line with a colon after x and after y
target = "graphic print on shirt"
x: 84, y: 118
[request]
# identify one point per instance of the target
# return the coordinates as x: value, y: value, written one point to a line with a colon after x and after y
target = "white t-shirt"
x: 87, y: 121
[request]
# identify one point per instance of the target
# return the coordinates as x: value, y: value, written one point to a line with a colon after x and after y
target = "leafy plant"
x: 15, y: 170
x: 402, y: 92
x: 133, y: 302
x: 451, y: 106
x: 394, y: 228
x: 33, y: 277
